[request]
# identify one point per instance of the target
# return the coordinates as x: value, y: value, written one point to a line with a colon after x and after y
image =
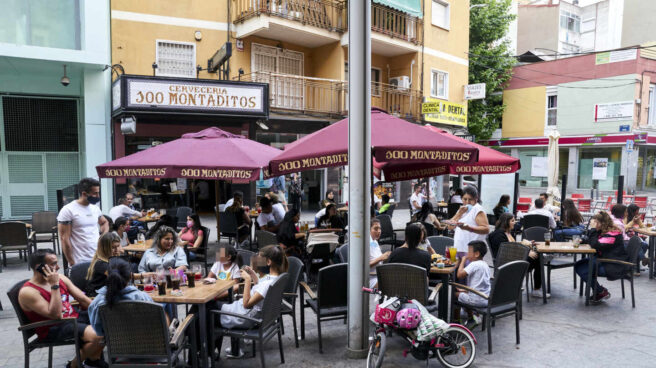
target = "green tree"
x: 490, y: 62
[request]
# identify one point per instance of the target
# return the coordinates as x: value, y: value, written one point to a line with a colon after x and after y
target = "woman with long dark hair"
x: 633, y: 222
x: 191, y: 236
x: 571, y: 219
x: 121, y: 227
x: 502, y: 207
x: 165, y: 252
x: 288, y: 236
x: 426, y: 215
x: 409, y: 252
x: 330, y: 220
x: 117, y: 287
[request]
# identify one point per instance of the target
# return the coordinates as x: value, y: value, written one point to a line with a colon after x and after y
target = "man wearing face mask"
x: 79, y: 221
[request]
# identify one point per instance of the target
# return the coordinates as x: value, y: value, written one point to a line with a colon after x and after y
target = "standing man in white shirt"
x: 416, y: 200
x: 79, y: 222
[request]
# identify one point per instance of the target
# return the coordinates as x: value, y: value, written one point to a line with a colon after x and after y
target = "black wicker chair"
x: 265, y: 238
x: 246, y: 256
x: 503, y: 300
x: 529, y: 221
x: 136, y: 334
x: 28, y: 330
x: 409, y: 281
x: 14, y: 238
x: 510, y: 252
x: 342, y: 253
x: 633, y: 248
x: 290, y: 294
x: 44, y: 225
x: 388, y: 235
x: 330, y: 301
x: 265, y: 327
x: 537, y: 234
x: 228, y: 225
x: 439, y: 243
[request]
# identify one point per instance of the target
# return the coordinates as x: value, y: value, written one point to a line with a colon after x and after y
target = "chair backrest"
x: 640, y: 201
x: 272, y: 304
x: 181, y: 214
x: 13, y: 298
x: 524, y: 200
x: 206, y: 237
x: 510, y: 252
x: 535, y: 220
x: 228, y: 223
x: 535, y: 233
x: 633, y: 249
x: 13, y: 233
x: 491, y: 219
x: 391, y: 209
x: 439, y: 243
x: 523, y: 207
x: 584, y: 205
x: 452, y: 208
x: 265, y: 238
x: 246, y: 256
x: 507, y: 283
x: 387, y: 230
x: 577, y: 195
x: 342, y: 253
x: 135, y: 329
x: 78, y: 275
x: 403, y: 280
x: 43, y: 222
x: 332, y: 286
x: 294, y: 271
x: 430, y: 229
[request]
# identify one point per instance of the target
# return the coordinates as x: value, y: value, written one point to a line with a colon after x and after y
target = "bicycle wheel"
x: 377, y: 350
x: 459, y: 348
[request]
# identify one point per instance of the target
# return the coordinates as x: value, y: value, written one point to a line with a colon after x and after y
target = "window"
x: 439, y: 84
x: 570, y: 22
x: 375, y: 82
x: 552, y: 109
x: 176, y: 59
x: 651, y: 117
x: 441, y: 14
x: 43, y: 23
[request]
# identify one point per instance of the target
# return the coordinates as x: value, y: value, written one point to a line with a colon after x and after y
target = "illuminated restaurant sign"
x: 424, y: 156
x: 182, y: 95
x: 187, y: 173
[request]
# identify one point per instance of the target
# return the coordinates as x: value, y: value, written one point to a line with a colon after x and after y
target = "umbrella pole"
x: 216, y: 212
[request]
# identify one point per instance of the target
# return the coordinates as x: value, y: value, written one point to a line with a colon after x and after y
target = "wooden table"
x: 652, y: 246
x: 200, y: 296
x: 139, y: 248
x: 566, y: 248
x: 147, y: 219
x: 443, y: 296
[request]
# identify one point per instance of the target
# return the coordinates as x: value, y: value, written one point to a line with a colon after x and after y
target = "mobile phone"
x: 39, y: 269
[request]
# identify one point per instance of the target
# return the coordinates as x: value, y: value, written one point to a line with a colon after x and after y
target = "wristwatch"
x: 54, y: 287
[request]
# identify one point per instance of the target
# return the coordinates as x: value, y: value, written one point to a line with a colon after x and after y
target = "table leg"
x: 443, y: 299
x: 203, y: 335
x: 544, y: 280
x: 652, y: 242
x: 588, y: 286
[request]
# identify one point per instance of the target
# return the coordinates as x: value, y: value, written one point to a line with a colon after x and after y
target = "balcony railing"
x: 396, y: 24
x: 324, y: 14
x: 330, y: 96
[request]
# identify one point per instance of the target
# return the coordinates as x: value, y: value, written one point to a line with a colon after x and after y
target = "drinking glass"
x: 547, y: 238
x: 197, y: 269
x: 160, y: 274
x: 576, y: 240
x: 452, y: 252
x: 141, y: 239
x: 175, y: 281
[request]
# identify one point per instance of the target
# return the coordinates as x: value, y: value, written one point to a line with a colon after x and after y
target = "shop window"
x: 44, y: 23
x: 175, y: 59
x: 441, y: 14
x: 526, y: 158
x: 552, y: 107
x: 439, y: 84
x: 40, y: 124
x: 570, y: 21
x: 586, y: 156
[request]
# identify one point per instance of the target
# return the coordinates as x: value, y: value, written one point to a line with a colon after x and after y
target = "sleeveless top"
x: 67, y: 309
x: 461, y: 238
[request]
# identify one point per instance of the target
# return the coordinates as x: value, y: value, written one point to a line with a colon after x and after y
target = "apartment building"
x: 295, y: 51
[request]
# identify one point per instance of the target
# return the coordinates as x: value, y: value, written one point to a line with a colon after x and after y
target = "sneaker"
x: 474, y: 321
x: 229, y: 354
x: 538, y: 294
x: 602, y: 295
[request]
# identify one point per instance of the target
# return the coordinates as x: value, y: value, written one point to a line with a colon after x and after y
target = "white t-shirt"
x: 262, y: 287
x: 265, y: 218
x: 544, y: 212
x: 462, y: 238
x: 419, y: 198
x: 122, y: 211
x: 218, y: 269
x: 478, y: 278
x: 374, y: 252
x: 278, y: 212
x: 84, y: 229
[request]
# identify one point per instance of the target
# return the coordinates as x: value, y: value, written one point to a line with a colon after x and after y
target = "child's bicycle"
x: 453, y: 345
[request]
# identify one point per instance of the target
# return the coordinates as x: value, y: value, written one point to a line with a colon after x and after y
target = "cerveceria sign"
x: 156, y: 94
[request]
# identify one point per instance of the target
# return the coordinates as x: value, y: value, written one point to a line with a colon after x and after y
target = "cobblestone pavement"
x: 563, y: 333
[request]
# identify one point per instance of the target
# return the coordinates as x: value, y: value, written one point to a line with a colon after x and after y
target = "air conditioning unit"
x: 401, y: 82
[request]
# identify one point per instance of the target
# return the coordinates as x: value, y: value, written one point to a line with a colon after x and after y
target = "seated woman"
x: 330, y: 199
x: 331, y: 220
x: 426, y: 215
x: 288, y: 236
x: 571, y: 219
x: 108, y: 246
x: 227, y: 265
x: 117, y: 288
x: 121, y: 227
x: 502, y: 207
x: 409, y: 253
x: 243, y: 221
x: 165, y: 252
x: 633, y: 221
x: 191, y: 236
x: 608, y: 241
x: 502, y: 234
x: 424, y: 244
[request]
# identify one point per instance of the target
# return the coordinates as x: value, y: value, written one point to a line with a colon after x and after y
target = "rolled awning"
x: 412, y: 7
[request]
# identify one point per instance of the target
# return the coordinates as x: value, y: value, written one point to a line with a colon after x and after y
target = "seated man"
x: 266, y: 220
x: 46, y: 296
x: 278, y: 208
x: 385, y: 204
x: 123, y: 210
x: 540, y: 210
x: 545, y: 199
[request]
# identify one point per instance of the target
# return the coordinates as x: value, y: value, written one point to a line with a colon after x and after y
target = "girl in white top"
x: 226, y: 267
x: 470, y: 222
x: 121, y: 227
x: 424, y: 244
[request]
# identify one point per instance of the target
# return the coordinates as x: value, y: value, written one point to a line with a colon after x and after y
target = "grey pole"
x: 359, y: 92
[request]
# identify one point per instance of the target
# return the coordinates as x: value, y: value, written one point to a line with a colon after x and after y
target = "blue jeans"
x: 581, y: 268
x: 560, y: 234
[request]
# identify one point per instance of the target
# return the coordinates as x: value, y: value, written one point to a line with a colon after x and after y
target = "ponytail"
x: 277, y: 257
x: 118, y: 277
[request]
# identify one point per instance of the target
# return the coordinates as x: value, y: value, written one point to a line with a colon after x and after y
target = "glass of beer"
x: 141, y: 239
x: 547, y: 238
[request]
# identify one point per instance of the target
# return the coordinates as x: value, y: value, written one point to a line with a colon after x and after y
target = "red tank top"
x: 67, y: 309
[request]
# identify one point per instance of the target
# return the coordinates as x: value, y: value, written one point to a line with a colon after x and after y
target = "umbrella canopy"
x: 552, y: 166
x: 211, y: 154
x: 392, y: 139
x: 490, y: 161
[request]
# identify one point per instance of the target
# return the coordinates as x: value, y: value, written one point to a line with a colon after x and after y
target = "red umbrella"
x: 211, y: 154
x: 490, y: 161
x: 392, y: 139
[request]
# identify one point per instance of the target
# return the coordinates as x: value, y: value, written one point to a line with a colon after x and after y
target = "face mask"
x: 190, y: 223
x: 469, y: 207
x: 93, y: 200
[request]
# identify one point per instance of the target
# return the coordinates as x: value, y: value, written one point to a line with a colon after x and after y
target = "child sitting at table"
x: 226, y: 267
x: 477, y: 273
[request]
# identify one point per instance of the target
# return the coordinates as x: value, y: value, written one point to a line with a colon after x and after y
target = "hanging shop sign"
x: 615, y: 56
x: 475, y: 91
x: 613, y: 111
x: 182, y: 95
x: 599, y: 168
x: 443, y: 112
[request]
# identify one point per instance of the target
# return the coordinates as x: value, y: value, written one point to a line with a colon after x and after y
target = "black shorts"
x: 65, y: 331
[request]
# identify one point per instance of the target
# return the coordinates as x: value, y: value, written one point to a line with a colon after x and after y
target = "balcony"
x: 322, y: 20
x: 330, y: 96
